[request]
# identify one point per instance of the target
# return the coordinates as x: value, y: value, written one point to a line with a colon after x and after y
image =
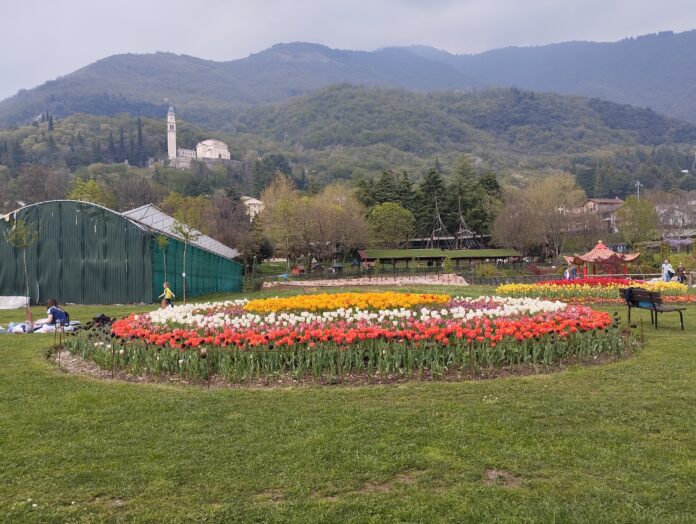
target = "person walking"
x: 667, y: 271
x: 167, y: 296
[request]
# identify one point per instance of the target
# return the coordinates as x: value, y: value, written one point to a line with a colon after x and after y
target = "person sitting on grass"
x: 55, y: 315
x: 167, y: 296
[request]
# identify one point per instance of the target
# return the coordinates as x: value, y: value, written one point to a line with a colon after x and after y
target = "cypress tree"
x: 111, y: 148
x: 140, y: 154
x: 121, y: 146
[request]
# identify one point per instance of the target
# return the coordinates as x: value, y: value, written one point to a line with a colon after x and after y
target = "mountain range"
x: 653, y: 71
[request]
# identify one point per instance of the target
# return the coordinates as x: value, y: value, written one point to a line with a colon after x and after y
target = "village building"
x: 207, y: 150
x: 253, y: 206
x: 606, y: 209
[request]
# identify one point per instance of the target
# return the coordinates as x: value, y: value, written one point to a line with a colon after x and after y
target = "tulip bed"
x: 593, y: 288
x: 427, y: 335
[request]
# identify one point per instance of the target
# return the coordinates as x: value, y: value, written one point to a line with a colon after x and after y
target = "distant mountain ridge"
x: 653, y: 71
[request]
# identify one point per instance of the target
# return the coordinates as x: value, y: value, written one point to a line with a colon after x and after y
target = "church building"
x: 208, y: 150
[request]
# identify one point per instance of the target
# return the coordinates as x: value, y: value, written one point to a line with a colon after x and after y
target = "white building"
x: 253, y: 206
x: 207, y: 150
x: 214, y: 149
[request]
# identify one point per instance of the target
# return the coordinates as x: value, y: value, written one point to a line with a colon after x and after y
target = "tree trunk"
x: 26, y: 276
x: 287, y: 257
x: 164, y: 257
x: 183, y: 273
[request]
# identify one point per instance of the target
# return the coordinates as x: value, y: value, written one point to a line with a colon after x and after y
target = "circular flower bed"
x: 391, y: 335
x: 587, y: 288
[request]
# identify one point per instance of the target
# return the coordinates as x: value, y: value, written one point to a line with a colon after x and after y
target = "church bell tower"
x: 171, y: 134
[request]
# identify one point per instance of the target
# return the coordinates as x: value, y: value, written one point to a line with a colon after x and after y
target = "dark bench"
x: 636, y: 297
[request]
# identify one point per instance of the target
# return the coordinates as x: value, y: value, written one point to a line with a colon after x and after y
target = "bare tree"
x: 554, y: 200
x: 517, y: 225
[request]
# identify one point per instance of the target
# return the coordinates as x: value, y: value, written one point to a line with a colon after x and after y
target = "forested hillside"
x: 508, y: 120
x: 356, y: 133
x: 653, y: 71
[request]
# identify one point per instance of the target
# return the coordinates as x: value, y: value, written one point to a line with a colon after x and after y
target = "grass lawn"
x: 612, y: 443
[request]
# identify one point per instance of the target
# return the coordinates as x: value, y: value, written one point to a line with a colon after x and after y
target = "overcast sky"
x: 40, y: 40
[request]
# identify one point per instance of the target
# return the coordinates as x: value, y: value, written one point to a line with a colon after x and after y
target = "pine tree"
x: 50, y: 123
x: 430, y: 191
x: 365, y: 191
x: 385, y: 188
x: 404, y: 191
x: 461, y: 193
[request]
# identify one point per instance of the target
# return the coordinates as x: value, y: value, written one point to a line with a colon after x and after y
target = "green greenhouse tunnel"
x: 88, y: 254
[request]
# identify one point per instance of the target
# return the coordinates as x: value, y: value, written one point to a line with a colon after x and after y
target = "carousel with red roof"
x: 602, y: 258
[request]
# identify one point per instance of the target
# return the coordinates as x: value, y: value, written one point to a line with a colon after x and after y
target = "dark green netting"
x: 205, y: 272
x: 85, y: 254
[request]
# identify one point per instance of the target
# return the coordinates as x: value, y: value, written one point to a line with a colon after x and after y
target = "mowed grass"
x: 610, y: 443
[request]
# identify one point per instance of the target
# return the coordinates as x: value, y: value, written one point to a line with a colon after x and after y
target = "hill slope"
x: 653, y: 71
x: 349, y: 131
x: 507, y: 120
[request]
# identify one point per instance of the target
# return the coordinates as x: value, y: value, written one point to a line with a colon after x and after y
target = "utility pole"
x: 638, y: 186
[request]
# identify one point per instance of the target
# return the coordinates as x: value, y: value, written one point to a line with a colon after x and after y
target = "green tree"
x: 140, y: 151
x: 638, y: 220
x: 94, y: 192
x: 191, y: 214
x: 365, y: 190
x: 280, y: 214
x: 390, y: 225
x: 385, y: 188
x: 431, y: 192
x: 487, y: 202
x: 22, y: 237
x: 121, y: 146
x: 266, y: 170
x: 404, y: 191
x: 163, y: 244
x: 111, y: 147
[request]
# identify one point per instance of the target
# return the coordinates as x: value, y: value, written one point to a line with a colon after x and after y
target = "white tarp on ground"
x: 12, y: 302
